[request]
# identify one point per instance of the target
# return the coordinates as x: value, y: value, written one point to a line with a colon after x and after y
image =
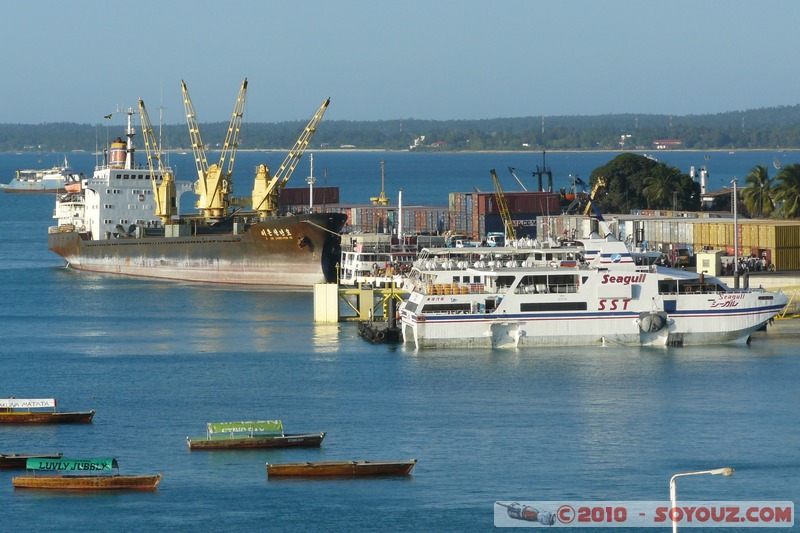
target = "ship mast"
x: 129, y: 133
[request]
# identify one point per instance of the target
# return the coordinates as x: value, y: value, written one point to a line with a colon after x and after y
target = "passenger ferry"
x: 593, y: 293
x: 379, y: 259
x: 52, y: 180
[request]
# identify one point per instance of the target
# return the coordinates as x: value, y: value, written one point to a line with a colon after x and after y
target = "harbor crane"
x: 165, y: 196
x: 214, y: 185
x: 381, y: 199
x: 502, y: 206
x: 266, y: 188
x: 600, y: 183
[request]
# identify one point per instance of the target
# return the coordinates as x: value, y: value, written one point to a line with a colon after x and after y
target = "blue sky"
x: 75, y: 61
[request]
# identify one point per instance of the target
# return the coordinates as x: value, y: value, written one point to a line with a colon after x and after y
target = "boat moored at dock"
x: 380, y: 260
x: 126, y: 218
x: 600, y: 297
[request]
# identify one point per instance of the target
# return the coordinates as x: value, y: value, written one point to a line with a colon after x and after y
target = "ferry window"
x: 456, y: 279
x: 568, y: 279
x: 447, y: 308
x: 668, y: 287
x: 553, y: 306
x: 542, y: 280
x: 411, y: 306
x: 125, y: 176
x: 505, y: 281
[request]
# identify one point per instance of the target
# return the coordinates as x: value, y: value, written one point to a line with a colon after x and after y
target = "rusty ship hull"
x: 291, y: 251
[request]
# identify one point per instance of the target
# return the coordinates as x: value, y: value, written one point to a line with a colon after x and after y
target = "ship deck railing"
x: 448, y: 289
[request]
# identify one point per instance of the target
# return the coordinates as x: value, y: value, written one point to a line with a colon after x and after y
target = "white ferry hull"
x: 605, y: 301
x: 517, y: 332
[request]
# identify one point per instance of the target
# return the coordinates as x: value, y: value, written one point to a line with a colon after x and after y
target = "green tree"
x: 661, y: 187
x: 787, y: 191
x: 757, y: 193
x: 628, y: 177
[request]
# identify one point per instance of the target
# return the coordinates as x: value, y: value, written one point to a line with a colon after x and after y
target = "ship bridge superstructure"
x: 118, y: 199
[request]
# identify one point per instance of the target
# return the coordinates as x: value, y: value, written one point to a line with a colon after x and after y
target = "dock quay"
x: 337, y: 303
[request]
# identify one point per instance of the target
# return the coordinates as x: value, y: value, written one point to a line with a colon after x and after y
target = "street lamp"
x: 673, y: 496
x: 735, y: 233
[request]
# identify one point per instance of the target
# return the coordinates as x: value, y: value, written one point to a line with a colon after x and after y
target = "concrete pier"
x: 333, y: 303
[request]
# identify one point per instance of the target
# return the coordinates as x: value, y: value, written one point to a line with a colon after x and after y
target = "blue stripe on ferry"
x: 590, y: 315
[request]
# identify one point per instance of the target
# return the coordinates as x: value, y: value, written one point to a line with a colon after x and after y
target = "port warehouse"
x: 537, y: 215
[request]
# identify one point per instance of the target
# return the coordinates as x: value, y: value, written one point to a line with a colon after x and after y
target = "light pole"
x: 735, y: 229
x: 673, y: 496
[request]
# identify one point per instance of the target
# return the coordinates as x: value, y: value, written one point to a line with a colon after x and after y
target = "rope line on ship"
x: 322, y: 228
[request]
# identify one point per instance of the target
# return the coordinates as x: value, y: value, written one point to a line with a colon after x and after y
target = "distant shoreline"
x: 387, y: 150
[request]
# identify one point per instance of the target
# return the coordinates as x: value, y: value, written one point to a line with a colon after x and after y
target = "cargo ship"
x: 123, y: 220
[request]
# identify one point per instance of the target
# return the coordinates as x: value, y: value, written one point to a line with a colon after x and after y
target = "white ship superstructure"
x: 118, y: 199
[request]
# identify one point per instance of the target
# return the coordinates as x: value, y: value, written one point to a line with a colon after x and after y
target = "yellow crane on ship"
x: 502, y: 206
x: 165, y: 196
x: 214, y: 186
x: 267, y: 188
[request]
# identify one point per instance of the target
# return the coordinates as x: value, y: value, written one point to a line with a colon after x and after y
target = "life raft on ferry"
x: 652, y: 321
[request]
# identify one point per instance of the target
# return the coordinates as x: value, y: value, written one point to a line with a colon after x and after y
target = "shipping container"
x: 787, y: 258
x: 299, y: 196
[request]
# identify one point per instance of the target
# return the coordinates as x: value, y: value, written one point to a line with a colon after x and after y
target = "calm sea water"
x: 158, y: 360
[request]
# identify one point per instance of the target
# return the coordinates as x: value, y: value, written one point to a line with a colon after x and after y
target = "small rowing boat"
x: 81, y: 474
x: 9, y: 461
x: 342, y: 468
x: 252, y: 435
x: 20, y: 411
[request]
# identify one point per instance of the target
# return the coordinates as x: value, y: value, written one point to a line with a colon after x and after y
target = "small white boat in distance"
x: 50, y: 180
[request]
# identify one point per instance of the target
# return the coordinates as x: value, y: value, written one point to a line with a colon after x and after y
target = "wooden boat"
x: 82, y: 474
x: 252, y: 435
x: 17, y: 461
x: 19, y: 411
x: 342, y: 468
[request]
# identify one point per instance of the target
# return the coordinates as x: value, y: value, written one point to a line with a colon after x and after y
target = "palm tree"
x: 659, y: 187
x: 757, y: 193
x: 787, y: 191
